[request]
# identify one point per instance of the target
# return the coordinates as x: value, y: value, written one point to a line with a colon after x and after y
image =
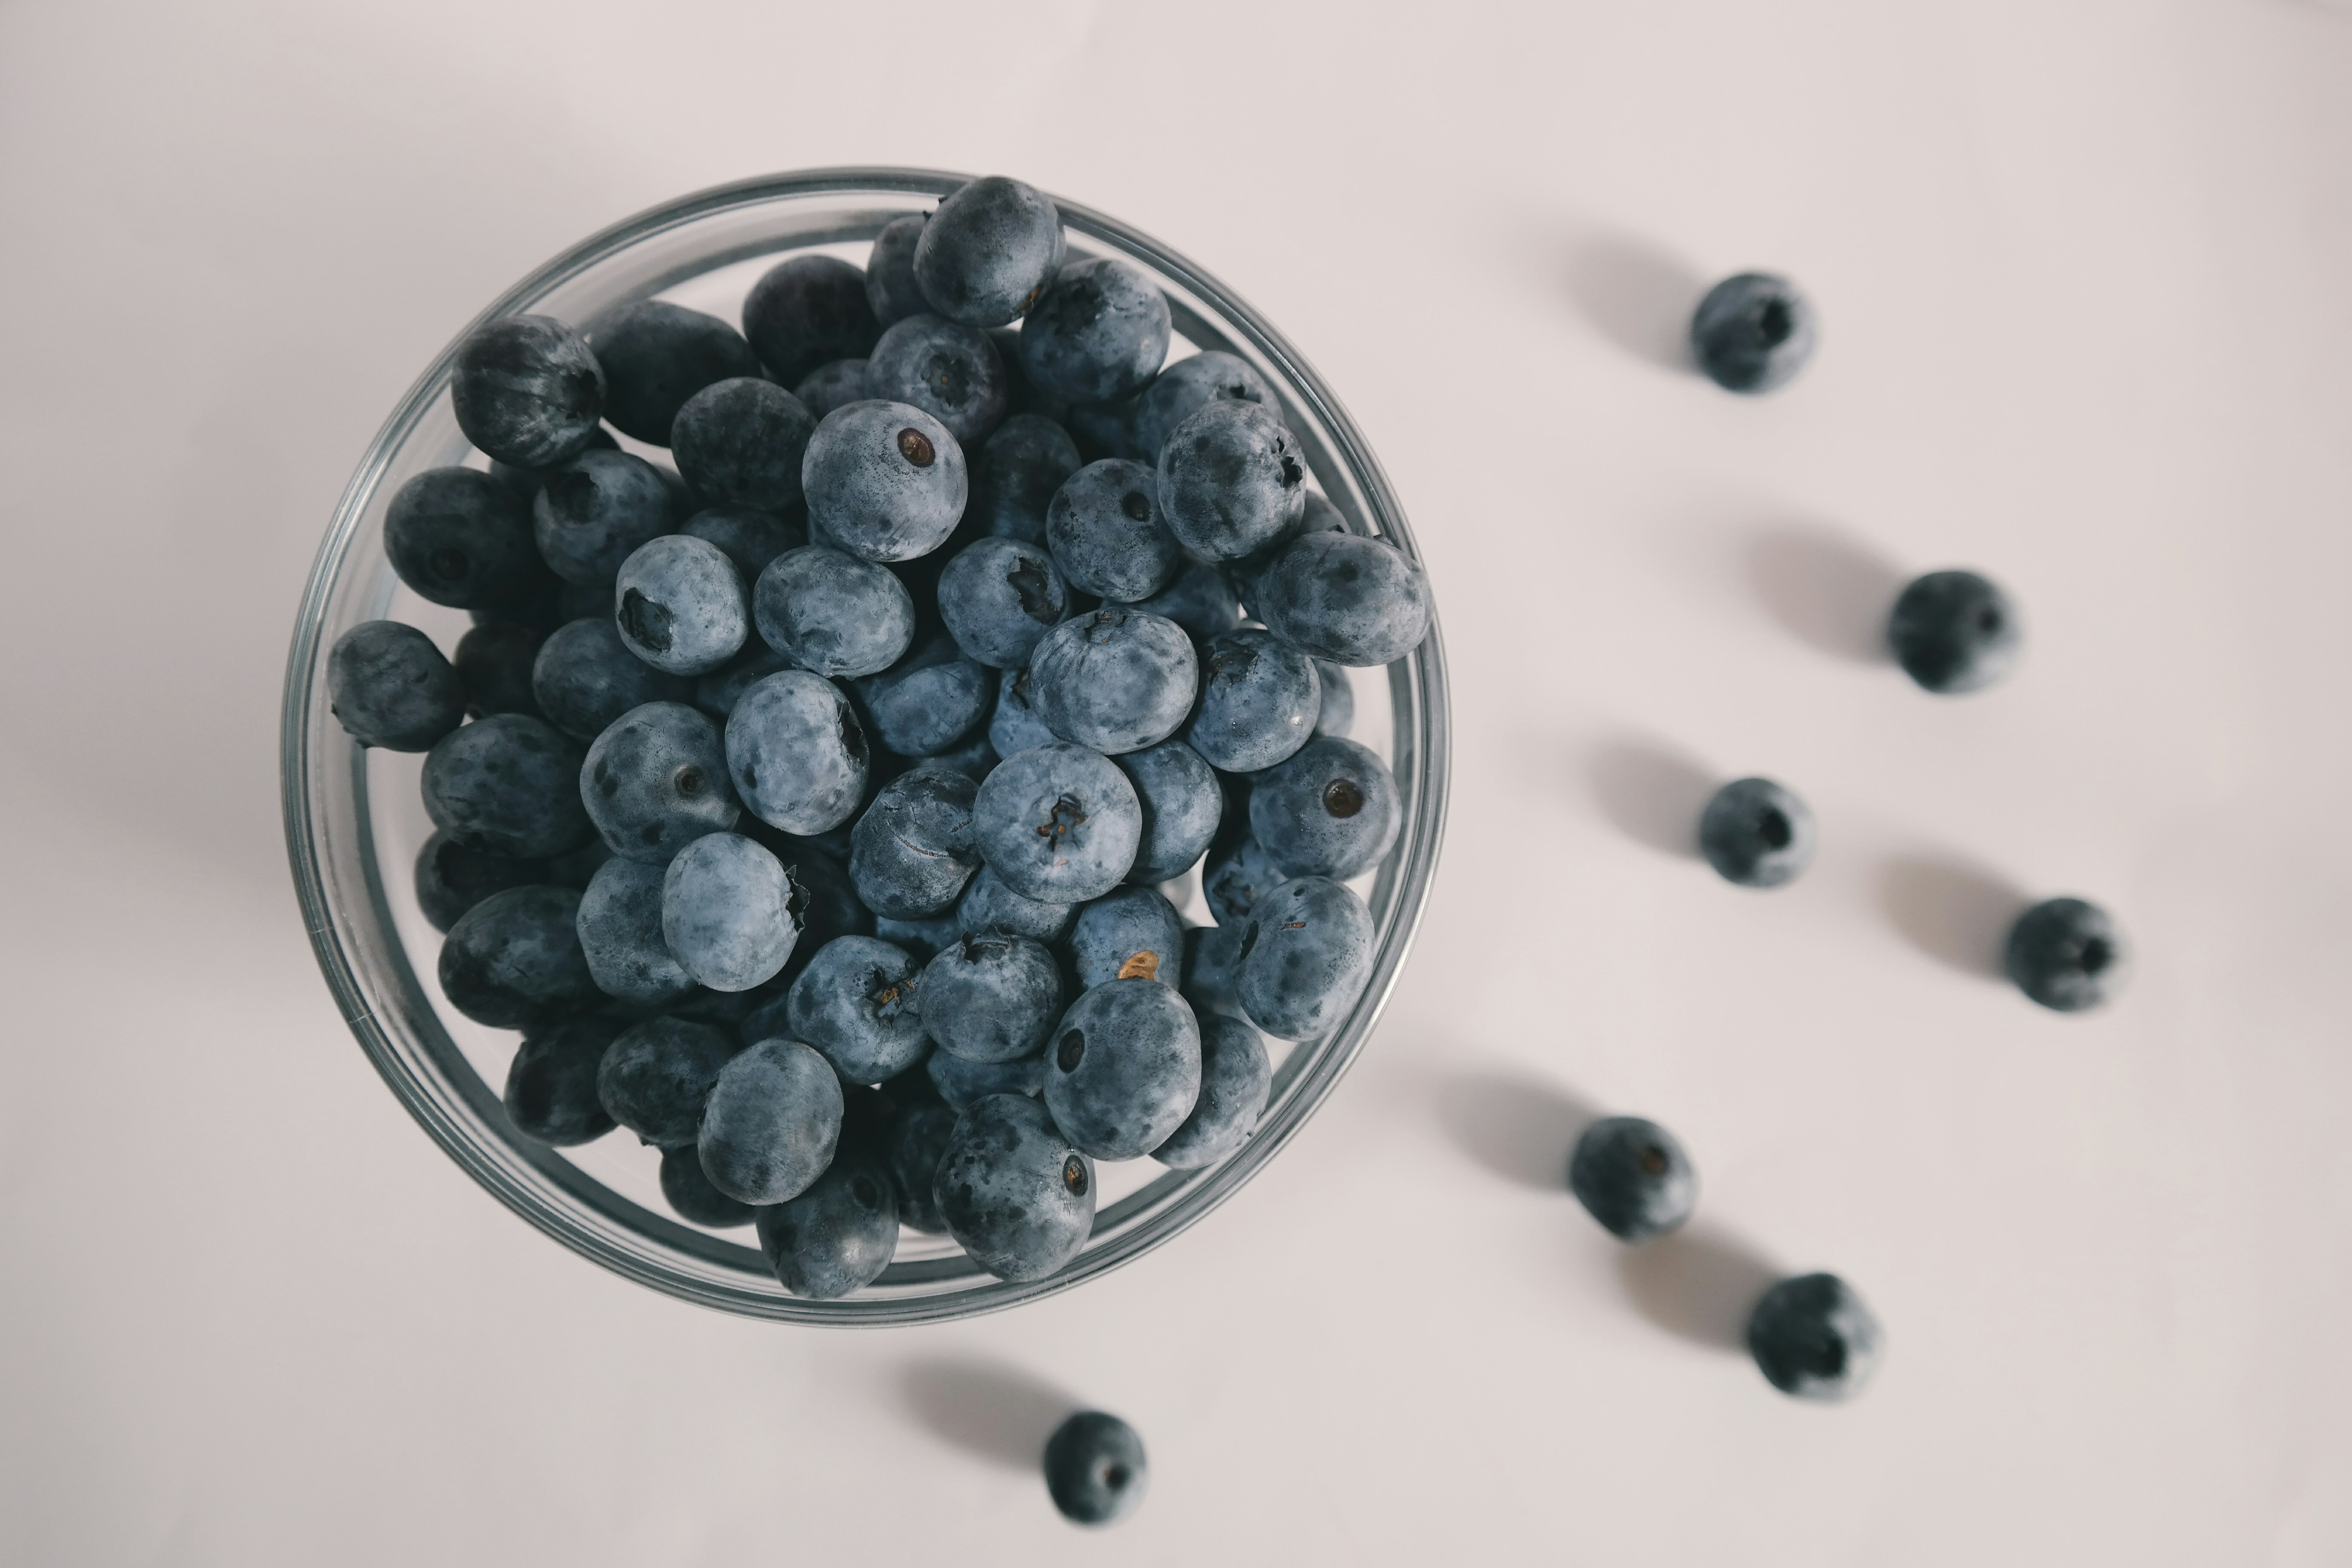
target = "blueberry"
x: 917, y: 1137
x: 1336, y: 715
x: 689, y: 1191
x: 1182, y: 807
x: 999, y: 597
x: 655, y: 780
x: 1057, y: 824
x: 807, y: 311
x: 1812, y: 1338
x: 1186, y: 387
x: 1341, y: 596
x: 912, y: 851
x: 1259, y: 702
x: 927, y: 701
x: 1116, y: 680
x: 990, y: 906
x: 829, y: 386
x: 795, y: 752
x: 1131, y: 933
x: 972, y: 756
x: 509, y: 783
x: 493, y: 662
x: 514, y: 959
x: 991, y: 998
x: 1106, y: 532
x: 656, y: 1075
x: 1753, y: 332
x: 595, y: 510
x: 1212, y: 957
x: 988, y: 252
x: 2065, y: 953
x: 1633, y: 1177
x: 585, y: 677
x: 728, y: 911
x: 1097, y: 334
x: 963, y: 1083
x: 1095, y: 1467
x: 1305, y: 958
x: 891, y: 292
x: 459, y: 538
x: 453, y: 876
x: 1015, y: 473
x: 1123, y: 1068
x: 1016, y: 1195
x: 1236, y: 875
x: 1103, y: 429
x: 574, y: 869
x: 838, y: 1236
x: 718, y: 692
x: 1954, y: 632
x: 550, y: 1094
x: 1200, y: 600
x: 620, y: 924
x: 1330, y: 810
x: 389, y: 687
x: 525, y: 482
x: 885, y: 481
x: 739, y: 442
x: 679, y: 605
x: 770, y: 1124
x: 527, y: 390
x: 949, y: 371
x: 860, y: 1002
x: 833, y: 613
x: 1232, y: 480
x: 656, y: 357
x: 1756, y: 833
x: 1015, y: 725
x: 1235, y: 1081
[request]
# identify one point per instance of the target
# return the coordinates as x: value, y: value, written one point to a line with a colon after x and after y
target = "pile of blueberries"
x: 816, y: 795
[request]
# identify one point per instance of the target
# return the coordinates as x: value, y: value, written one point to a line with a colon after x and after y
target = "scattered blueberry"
x: 1106, y: 532
x: 1057, y: 823
x: 839, y: 1235
x: 679, y: 605
x: 1130, y: 933
x: 453, y: 876
x: 585, y: 677
x: 1331, y: 810
x: 949, y: 371
x: 991, y: 998
x: 689, y: 1191
x: 962, y: 1082
x: 833, y: 613
x: 493, y: 662
x: 509, y: 783
x: 1633, y: 1176
x: 999, y: 597
x: 885, y: 481
x: 1812, y: 1338
x: 1954, y: 632
x: 832, y: 385
x: 2065, y: 953
x: 1015, y: 725
x: 891, y: 292
x: 928, y: 701
x: 989, y: 252
x: 807, y: 311
x: 551, y: 1094
x: 1116, y: 680
x: 770, y: 1124
x: 1305, y: 958
x: 1355, y: 601
x: 1182, y: 807
x: 656, y: 1075
x: 389, y: 687
x: 1337, y: 714
x: 912, y: 851
x: 1200, y: 600
x: 1016, y: 1195
x: 1014, y: 476
x: 989, y: 905
x: 459, y: 538
x: 1756, y: 833
x: 1186, y: 387
x: 514, y: 959
x: 1235, y: 1081
x: 657, y: 356
x: 1753, y: 332
x: 1232, y: 480
x: 620, y: 924
x: 1095, y: 1467
x: 1097, y: 334
x: 527, y: 391
x: 860, y: 1002
x: 796, y: 753
x: 1123, y: 1068
x: 739, y: 442
x: 655, y: 780
x: 917, y: 1137
x: 597, y: 509
x: 1259, y: 700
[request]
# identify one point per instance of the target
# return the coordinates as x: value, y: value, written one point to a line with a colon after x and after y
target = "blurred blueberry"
x: 621, y: 936
x: 1954, y: 632
x: 912, y: 851
x: 1336, y: 715
x: 963, y: 1083
x: 459, y: 538
x: 718, y: 692
x: 656, y: 1075
x: 917, y: 1137
x: 1191, y: 384
x: 999, y: 597
x: 1232, y: 480
x: 655, y: 780
x: 493, y: 664
x: 1305, y: 958
x: 1355, y: 601
x: 727, y: 913
x: 1633, y: 1176
x: 689, y: 1191
x: 1057, y: 824
x: 514, y: 959
x: 838, y: 1236
x: 807, y: 311
x: 1130, y: 933
x: 928, y: 701
x: 1753, y: 332
x: 584, y: 678
x: 1014, y: 474
x: 885, y: 481
x: 509, y: 783
x: 680, y: 604
x: 891, y: 292
x: 1182, y: 804
x: 1212, y: 960
x: 949, y: 371
x: 1096, y: 1468
x: 1016, y: 1195
x: 1116, y: 680
x: 740, y: 443
x: 1235, y: 1081
x: 1014, y: 725
x: 833, y: 613
x: 655, y: 356
x: 1756, y: 833
x: 1259, y: 702
x: 527, y: 390
x: 991, y: 998
x: 1123, y: 1068
x: 1106, y: 532
x: 1812, y: 1338
x: 1200, y: 600
x: 453, y: 876
x: 597, y: 509
x: 832, y: 385
x: 988, y: 905
x: 389, y: 687
x: 1330, y: 810
x: 859, y: 1002
x: 989, y: 252
x: 2065, y: 953
x: 551, y: 1094
x: 771, y: 1123
x: 1097, y: 334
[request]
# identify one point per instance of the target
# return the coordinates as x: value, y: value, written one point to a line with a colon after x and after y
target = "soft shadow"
x: 1653, y: 795
x: 1698, y: 1283
x: 1832, y: 593
x: 1637, y: 296
x: 1954, y: 913
x: 1520, y: 1127
x: 988, y: 1409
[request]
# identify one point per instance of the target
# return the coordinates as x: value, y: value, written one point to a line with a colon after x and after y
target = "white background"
x: 2085, y: 273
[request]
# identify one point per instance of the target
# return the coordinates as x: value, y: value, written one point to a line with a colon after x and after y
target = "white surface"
x: 2083, y: 271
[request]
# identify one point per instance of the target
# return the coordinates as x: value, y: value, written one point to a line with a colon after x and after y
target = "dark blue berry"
x: 989, y: 252
x: 1016, y: 1195
x: 1116, y: 680
x: 771, y: 1123
x: 679, y: 606
x: 1330, y: 809
x: 1057, y: 823
x: 585, y: 677
x: 689, y: 1192
x: 1232, y: 480
x: 1182, y: 807
x: 999, y: 597
x: 1027, y: 398
x: 453, y: 876
x: 1186, y: 387
x: 1259, y: 700
x: 891, y: 292
x: 1341, y: 596
x: 928, y: 701
x: 525, y: 482
x: 1237, y: 873
x: 1305, y: 958
x: 1200, y: 600
x: 389, y: 687
x: 912, y: 851
x: 838, y: 1236
x: 832, y: 385
x: 949, y: 371
x: 1107, y: 535
x: 831, y: 613
x: 796, y: 753
x: 807, y: 311
x: 1130, y: 933
x: 1212, y: 962
x: 1015, y: 724
x: 1753, y: 332
x: 963, y: 1083
x: 989, y: 905
x: 860, y: 1002
x: 656, y: 1075
x: 510, y: 782
x: 514, y: 959
x: 2065, y: 953
x: 655, y: 780
x: 1014, y: 474
x: 750, y: 537
x: 739, y: 442
x: 1633, y: 1176
x: 1812, y: 1338
x: 1123, y: 1068
x: 620, y: 935
x: 527, y: 391
x: 728, y: 911
x: 1954, y: 632
x: 656, y: 357
x: 1097, y: 334
x: 574, y: 868
x: 596, y: 510
x: 551, y: 1094
x: 1095, y: 1467
x: 917, y: 1137
x: 493, y: 662
x: 1756, y: 833
x: 991, y: 998
x: 459, y: 538
x: 886, y: 482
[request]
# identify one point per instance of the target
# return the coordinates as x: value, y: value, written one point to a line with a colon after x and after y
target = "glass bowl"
x: 354, y: 821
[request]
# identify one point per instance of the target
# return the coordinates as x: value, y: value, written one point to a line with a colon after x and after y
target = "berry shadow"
x: 1638, y: 296
x: 1652, y: 795
x: 1518, y: 1127
x: 988, y: 1409
x: 1698, y: 1284
x: 1830, y: 593
x: 1955, y: 912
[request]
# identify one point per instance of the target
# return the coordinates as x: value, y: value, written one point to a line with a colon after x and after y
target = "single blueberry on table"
x: 1633, y: 1176
x: 962, y: 1082
x: 1103, y: 429
x: 885, y: 481
x: 1096, y: 1468
x: 1812, y: 1338
x: 1016, y: 1195
x: 596, y: 510
x: 1355, y: 601
x: 551, y: 1094
x: 1057, y: 823
x: 656, y: 1075
x: 928, y: 701
x: 493, y: 662
x: 509, y: 783
x: 1015, y: 725
x: 527, y: 390
x: 832, y: 385
x: 1232, y: 480
x: 1331, y: 809
x: 1131, y: 933
x: 1753, y: 332
x: 1199, y: 599
x: 1336, y: 715
x: 1107, y: 535
x: 917, y: 1137
x: 1211, y: 962
x: 949, y: 371
x: 988, y: 905
x: 718, y: 692
x: 1097, y: 334
x: 459, y: 538
x: 1114, y: 681
x: 1237, y: 873
x: 739, y: 442
x: 839, y: 1235
x: 453, y: 876
x: 771, y: 1123
x: 1123, y: 1068
x: 999, y: 597
x: 988, y: 252
x: 912, y: 851
x: 1305, y: 958
x: 655, y: 780
x: 1757, y: 834
x: 655, y: 356
x: 991, y: 998
x: 796, y: 753
x: 514, y: 959
x: 584, y: 676
x: 2065, y: 953
x: 1015, y: 475
x: 807, y: 311
x: 729, y: 911
x: 1186, y: 387
x: 620, y: 924
x: 748, y: 537
x: 1182, y: 807
x: 389, y: 687
x: 689, y: 1192
x: 679, y: 606
x: 1954, y: 632
x: 1259, y: 700
x: 831, y: 613
x: 891, y: 292
x: 859, y: 1002
x: 1235, y: 1081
